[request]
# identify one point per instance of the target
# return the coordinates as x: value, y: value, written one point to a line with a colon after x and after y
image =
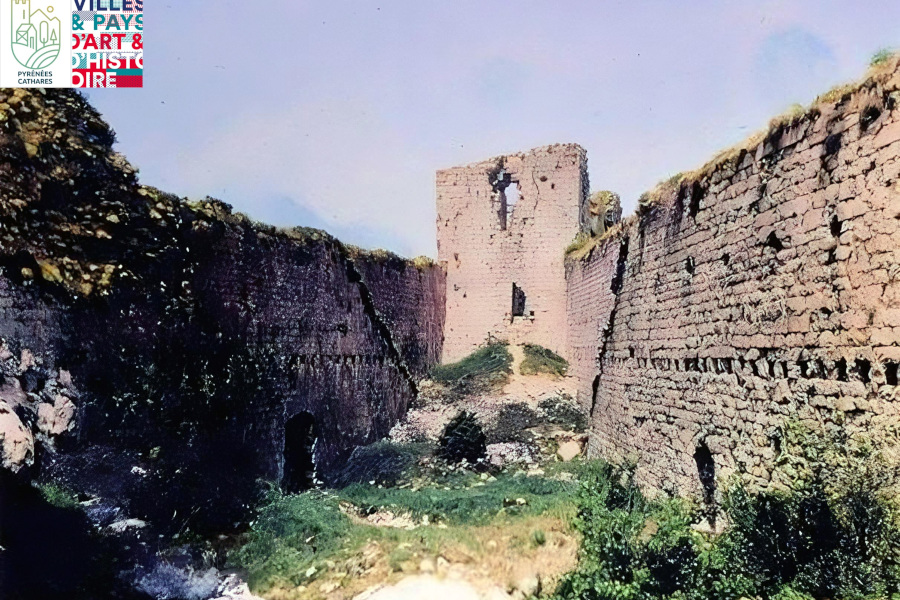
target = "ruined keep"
x: 502, y: 226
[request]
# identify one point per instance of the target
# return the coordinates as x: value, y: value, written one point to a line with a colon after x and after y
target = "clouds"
x: 334, y: 163
x: 791, y: 62
x: 338, y: 114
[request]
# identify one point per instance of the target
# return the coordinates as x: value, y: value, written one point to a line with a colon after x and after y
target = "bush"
x: 581, y: 241
x: 512, y: 424
x: 564, y: 411
x: 462, y: 439
x: 486, y: 368
x: 540, y: 360
x: 881, y: 57
x: 58, y: 496
x: 834, y: 535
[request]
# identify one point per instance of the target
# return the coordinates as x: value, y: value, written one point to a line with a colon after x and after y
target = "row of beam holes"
x: 816, y: 369
x: 313, y: 359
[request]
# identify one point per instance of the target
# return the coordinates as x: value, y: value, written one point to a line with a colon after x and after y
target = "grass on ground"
x: 486, y: 368
x: 541, y: 360
x: 296, y: 539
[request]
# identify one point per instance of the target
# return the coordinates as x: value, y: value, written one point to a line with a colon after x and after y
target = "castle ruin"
x: 759, y: 291
x: 167, y: 354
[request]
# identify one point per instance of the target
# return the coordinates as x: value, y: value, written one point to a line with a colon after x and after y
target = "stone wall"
x: 184, y: 337
x: 590, y: 301
x: 489, y: 246
x: 762, y: 289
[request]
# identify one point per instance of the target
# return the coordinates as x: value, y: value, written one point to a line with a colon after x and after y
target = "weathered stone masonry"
x: 764, y: 289
x: 191, y: 340
x: 504, y: 262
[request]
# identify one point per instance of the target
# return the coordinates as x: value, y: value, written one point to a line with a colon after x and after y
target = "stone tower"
x: 502, y: 228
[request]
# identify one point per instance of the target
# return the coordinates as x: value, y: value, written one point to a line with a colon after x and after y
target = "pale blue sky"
x: 336, y: 114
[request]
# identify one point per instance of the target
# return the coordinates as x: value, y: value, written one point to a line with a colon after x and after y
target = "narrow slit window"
x: 518, y: 301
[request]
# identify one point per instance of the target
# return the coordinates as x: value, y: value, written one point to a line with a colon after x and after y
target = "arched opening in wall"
x: 706, y: 471
x: 594, y: 388
x: 300, y: 435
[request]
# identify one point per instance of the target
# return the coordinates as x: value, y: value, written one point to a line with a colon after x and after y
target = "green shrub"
x: 58, y: 496
x: 564, y: 411
x: 486, y: 368
x: 513, y: 423
x: 540, y: 360
x: 881, y: 57
x: 463, y: 439
x: 384, y: 462
x: 834, y: 535
x: 582, y: 239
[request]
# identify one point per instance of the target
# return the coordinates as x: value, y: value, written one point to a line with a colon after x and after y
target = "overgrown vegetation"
x: 541, y: 360
x: 295, y: 537
x: 564, y: 411
x: 58, y: 496
x: 833, y: 534
x: 486, y: 368
x: 383, y: 463
x: 471, y: 500
x: 881, y: 57
x: 661, y: 191
x: 290, y: 534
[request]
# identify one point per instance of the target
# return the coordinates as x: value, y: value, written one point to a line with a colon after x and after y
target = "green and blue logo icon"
x: 36, y: 32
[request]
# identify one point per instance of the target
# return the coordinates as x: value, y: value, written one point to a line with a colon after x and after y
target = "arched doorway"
x: 300, y: 436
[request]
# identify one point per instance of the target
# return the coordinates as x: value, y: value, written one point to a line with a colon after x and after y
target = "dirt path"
x: 430, y: 588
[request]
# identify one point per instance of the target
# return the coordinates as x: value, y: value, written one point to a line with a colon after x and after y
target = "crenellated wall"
x: 188, y: 337
x: 760, y: 290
